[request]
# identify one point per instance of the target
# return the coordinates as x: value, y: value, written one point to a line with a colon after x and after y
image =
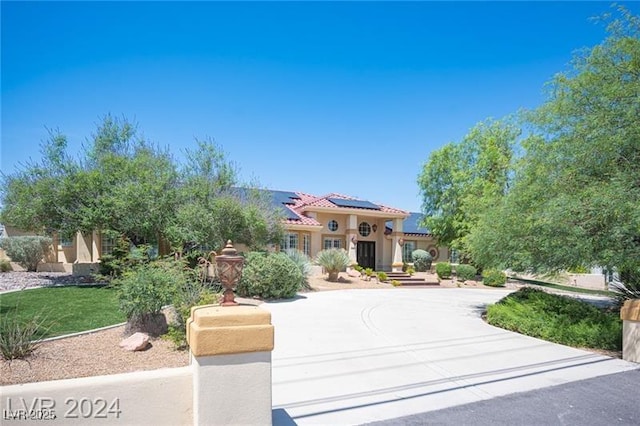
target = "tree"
x: 125, y: 185
x: 461, y: 180
x: 576, y: 195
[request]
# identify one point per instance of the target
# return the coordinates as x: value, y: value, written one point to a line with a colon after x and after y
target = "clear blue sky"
x: 316, y: 97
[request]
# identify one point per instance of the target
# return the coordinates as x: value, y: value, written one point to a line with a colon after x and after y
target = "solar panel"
x: 358, y: 204
x: 285, y: 197
x: 289, y: 214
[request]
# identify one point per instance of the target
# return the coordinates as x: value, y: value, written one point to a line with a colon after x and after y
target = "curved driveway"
x: 357, y: 356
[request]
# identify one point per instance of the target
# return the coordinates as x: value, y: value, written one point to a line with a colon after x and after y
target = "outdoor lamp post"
x: 229, y: 265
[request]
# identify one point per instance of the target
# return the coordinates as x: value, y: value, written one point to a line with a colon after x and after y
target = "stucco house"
x: 375, y: 235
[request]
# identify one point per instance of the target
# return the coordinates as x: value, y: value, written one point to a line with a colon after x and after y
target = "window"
x: 454, y: 256
x: 290, y: 241
x: 107, y: 244
x: 330, y: 243
x: 332, y: 225
x: 407, y: 249
x: 306, y: 244
x: 364, y: 229
x: 65, y: 239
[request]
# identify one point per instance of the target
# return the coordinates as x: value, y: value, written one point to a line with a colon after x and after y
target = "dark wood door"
x: 366, y: 252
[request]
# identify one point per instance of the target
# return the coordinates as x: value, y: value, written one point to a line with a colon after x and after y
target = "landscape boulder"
x: 135, y: 342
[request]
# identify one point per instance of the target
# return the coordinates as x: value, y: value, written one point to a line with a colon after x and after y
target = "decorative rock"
x: 353, y: 273
x: 135, y: 342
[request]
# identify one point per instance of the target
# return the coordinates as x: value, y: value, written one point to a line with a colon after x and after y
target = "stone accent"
x: 135, y: 342
x: 630, y: 315
x: 219, y: 330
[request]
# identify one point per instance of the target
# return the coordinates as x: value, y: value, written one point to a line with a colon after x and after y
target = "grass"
x: 65, y: 310
x: 565, y: 287
x: 558, y: 319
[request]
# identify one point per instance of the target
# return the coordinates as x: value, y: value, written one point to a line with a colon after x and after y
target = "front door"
x: 366, y: 253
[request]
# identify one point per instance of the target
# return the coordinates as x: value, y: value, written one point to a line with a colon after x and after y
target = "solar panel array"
x: 358, y: 204
x: 282, y: 198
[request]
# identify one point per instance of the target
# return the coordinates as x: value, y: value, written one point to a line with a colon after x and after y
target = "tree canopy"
x: 573, y: 198
x: 124, y: 184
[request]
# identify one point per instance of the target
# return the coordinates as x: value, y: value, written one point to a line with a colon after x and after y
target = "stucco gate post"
x: 231, y: 359
x: 630, y: 315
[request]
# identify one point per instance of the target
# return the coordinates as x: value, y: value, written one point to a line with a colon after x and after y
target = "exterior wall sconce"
x: 354, y: 240
x: 401, y: 242
x: 374, y: 227
x: 229, y: 265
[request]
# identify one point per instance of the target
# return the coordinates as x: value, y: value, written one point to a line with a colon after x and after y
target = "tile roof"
x: 296, y: 204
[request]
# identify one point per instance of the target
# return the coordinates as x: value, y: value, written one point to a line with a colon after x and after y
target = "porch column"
x: 83, y: 251
x: 396, y: 248
x: 95, y: 253
x: 352, y: 235
x: 630, y: 316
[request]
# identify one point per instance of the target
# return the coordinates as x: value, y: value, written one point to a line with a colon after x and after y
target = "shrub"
x: 17, y: 335
x: 269, y: 276
x: 333, y: 261
x: 466, y: 272
x: 443, y: 270
x: 144, y: 290
x: 396, y: 283
x: 421, y: 260
x: 494, y: 278
x: 410, y: 270
x: 368, y: 272
x: 358, y: 268
x: 190, y: 294
x: 27, y: 251
x: 124, y: 256
x: 382, y: 276
x: 303, y: 263
x: 5, y: 265
x: 628, y: 287
x: 557, y: 319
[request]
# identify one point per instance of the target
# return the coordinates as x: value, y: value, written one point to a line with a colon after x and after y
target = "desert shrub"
x: 557, y: 319
x: 358, y: 268
x: 396, y: 283
x: 494, y: 278
x: 17, y: 335
x: 303, y: 263
x: 269, y: 276
x: 421, y: 260
x: 628, y: 287
x: 466, y: 272
x: 5, y: 265
x: 191, y: 293
x: 27, y: 251
x: 143, y: 291
x: 580, y: 269
x: 333, y: 261
x: 443, y: 269
x: 382, y: 276
x: 368, y: 273
x: 410, y: 270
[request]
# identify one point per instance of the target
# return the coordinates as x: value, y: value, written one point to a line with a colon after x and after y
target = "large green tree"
x: 123, y: 184
x: 461, y: 180
x: 576, y: 196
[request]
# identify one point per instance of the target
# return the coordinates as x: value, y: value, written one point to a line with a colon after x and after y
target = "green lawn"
x: 66, y: 309
x: 558, y: 319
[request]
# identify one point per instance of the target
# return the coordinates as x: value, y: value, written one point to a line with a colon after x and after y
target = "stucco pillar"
x: 83, y: 250
x: 396, y: 248
x: 630, y: 315
x: 231, y: 360
x: 351, y: 236
x: 95, y: 252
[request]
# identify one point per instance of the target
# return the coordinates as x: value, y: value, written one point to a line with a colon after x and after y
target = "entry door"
x: 366, y: 253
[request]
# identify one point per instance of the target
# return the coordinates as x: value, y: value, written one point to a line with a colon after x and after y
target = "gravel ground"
x: 11, y: 281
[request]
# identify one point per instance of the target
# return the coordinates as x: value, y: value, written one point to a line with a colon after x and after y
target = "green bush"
x: 557, y: 319
x: 303, y: 263
x: 17, y: 335
x: 143, y: 291
x: 333, y: 261
x: 27, y: 251
x: 124, y: 256
x: 396, y: 283
x: 190, y: 294
x: 5, y: 265
x: 466, y: 272
x: 421, y: 260
x: 269, y: 276
x: 368, y: 273
x: 410, y: 270
x: 443, y: 270
x: 494, y: 278
x: 382, y: 276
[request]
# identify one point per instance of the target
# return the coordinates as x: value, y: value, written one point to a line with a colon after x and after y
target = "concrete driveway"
x: 357, y: 356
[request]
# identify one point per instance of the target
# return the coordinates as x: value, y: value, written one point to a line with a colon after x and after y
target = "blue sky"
x: 312, y: 96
